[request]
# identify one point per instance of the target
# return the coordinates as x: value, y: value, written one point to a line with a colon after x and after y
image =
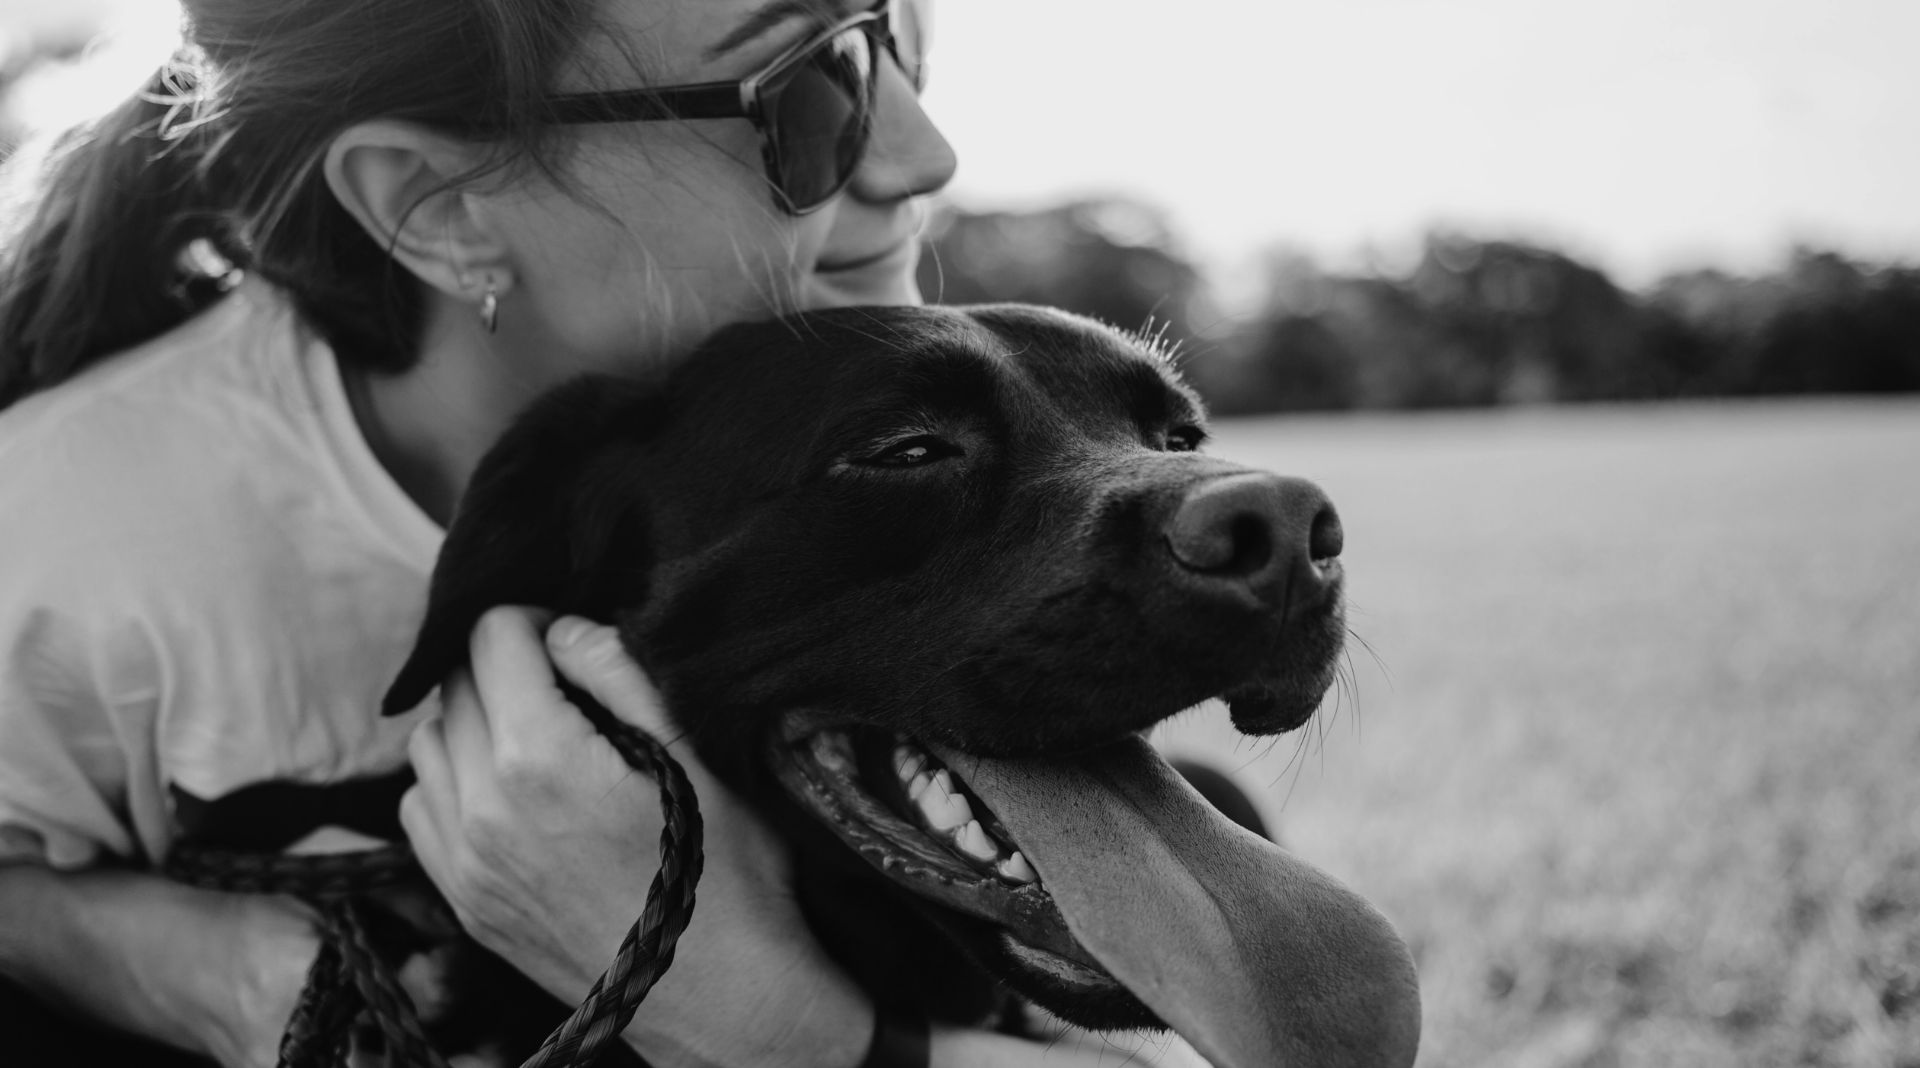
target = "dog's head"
x: 925, y: 575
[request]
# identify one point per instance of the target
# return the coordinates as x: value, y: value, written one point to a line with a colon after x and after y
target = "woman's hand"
x: 544, y: 841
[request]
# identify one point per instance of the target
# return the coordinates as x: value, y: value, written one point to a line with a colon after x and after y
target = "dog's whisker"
x: 1267, y: 746
x: 1187, y: 350
x: 1320, y: 726
x: 1131, y: 1055
x: 1349, y: 680
x: 1294, y: 765
x: 1151, y: 339
x: 891, y: 340
x: 933, y: 682
x: 1378, y: 661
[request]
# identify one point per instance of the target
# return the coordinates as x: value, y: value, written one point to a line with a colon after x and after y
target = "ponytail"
x: 97, y: 259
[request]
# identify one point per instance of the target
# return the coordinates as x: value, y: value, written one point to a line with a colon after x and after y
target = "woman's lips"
x: 882, y: 277
x: 891, y: 252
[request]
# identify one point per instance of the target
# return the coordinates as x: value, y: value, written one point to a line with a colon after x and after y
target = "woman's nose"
x: 907, y: 156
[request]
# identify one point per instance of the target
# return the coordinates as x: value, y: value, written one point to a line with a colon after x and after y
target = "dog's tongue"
x: 1254, y: 957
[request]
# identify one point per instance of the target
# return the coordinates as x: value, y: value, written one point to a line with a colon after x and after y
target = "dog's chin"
x: 1263, y: 707
x: 917, y: 824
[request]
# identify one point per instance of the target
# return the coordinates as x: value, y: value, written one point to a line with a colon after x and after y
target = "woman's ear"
x: 399, y: 180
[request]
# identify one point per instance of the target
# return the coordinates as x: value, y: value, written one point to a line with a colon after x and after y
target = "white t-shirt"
x: 207, y: 581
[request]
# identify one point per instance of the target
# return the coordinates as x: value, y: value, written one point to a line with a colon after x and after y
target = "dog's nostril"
x: 1252, y: 544
x: 1236, y: 543
x: 1253, y: 526
x: 1222, y: 533
x: 1326, y: 538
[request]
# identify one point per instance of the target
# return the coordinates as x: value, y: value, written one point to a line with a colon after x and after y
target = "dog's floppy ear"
x: 546, y: 504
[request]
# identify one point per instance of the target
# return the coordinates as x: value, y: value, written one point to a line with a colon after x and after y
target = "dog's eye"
x: 1185, y: 438
x: 911, y: 452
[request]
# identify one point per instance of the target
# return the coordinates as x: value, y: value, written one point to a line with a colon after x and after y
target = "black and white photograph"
x: 959, y: 534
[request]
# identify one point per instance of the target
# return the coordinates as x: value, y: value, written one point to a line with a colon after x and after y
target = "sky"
x: 1644, y: 135
x: 1647, y: 134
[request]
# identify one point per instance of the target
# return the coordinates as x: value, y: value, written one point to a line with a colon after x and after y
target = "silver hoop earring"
x: 490, y: 310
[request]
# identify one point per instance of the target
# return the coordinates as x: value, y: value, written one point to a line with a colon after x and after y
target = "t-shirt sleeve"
x: 71, y: 748
x: 79, y: 680
x: 193, y: 599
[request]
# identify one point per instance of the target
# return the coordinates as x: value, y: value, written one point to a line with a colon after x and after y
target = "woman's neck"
x: 430, y: 425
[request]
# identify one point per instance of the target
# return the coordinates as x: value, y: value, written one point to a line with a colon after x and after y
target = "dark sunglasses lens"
x: 821, y: 118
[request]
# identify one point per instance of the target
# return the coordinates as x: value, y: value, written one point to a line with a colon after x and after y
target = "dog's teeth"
x: 973, y: 841
x: 908, y: 762
x: 944, y: 811
x: 829, y: 749
x: 1016, y: 868
x: 921, y: 780
x: 954, y: 812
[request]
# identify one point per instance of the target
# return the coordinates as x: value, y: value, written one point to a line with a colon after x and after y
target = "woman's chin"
x: 888, y: 281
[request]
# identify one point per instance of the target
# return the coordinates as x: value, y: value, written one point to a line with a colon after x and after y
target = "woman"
x: 222, y: 508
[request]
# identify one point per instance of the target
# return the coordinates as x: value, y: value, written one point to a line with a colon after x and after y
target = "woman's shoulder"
x: 231, y: 353
x: 218, y: 441
x: 160, y: 410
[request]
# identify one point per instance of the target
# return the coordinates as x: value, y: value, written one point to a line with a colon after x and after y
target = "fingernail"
x: 567, y: 630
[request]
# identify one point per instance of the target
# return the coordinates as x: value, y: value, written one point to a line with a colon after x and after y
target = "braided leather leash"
x: 349, y: 978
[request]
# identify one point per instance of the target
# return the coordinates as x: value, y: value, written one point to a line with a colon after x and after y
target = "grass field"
x: 1634, y: 762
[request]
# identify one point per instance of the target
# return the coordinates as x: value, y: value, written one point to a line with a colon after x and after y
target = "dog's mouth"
x: 1145, y: 905
x: 917, y: 822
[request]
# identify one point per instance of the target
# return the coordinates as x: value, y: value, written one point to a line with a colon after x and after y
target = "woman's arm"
x: 211, y: 973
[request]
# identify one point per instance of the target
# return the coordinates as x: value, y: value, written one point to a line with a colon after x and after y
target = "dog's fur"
x: 985, y: 529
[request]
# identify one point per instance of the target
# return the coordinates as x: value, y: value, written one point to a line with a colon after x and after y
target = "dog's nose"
x: 1259, y: 530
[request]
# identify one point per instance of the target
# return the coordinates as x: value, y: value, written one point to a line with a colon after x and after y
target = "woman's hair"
x: 221, y: 152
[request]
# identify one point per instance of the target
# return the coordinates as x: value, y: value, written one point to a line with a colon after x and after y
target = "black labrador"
x: 915, y: 580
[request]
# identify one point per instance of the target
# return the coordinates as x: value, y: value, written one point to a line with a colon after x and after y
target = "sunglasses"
x: 813, y: 104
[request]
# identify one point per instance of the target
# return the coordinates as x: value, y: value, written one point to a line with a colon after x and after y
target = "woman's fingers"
x: 430, y: 807
x: 433, y: 770
x: 466, y: 738
x: 592, y: 657
x: 528, y: 719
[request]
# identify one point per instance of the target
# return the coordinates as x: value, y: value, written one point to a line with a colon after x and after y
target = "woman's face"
x: 665, y: 231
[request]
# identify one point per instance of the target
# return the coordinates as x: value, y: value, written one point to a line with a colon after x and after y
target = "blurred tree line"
x: 1474, y: 322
